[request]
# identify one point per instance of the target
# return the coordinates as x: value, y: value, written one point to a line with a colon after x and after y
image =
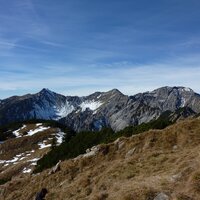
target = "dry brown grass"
x: 165, y: 161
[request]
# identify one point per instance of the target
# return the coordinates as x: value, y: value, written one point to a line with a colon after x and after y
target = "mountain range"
x: 100, y: 109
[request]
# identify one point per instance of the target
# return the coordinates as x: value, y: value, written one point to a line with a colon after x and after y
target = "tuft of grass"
x: 184, y: 197
x: 196, y: 181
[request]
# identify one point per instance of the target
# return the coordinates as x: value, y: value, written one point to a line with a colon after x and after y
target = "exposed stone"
x: 161, y: 196
x: 119, y: 143
x: 176, y: 177
x: 91, y: 152
x: 87, y: 150
x: 175, y: 147
x: 55, y: 168
x: 130, y: 152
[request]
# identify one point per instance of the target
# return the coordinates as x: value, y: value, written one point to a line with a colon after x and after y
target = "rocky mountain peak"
x: 100, y: 109
x: 45, y: 91
x: 95, y: 95
x: 115, y: 91
x: 175, y: 89
x: 112, y: 94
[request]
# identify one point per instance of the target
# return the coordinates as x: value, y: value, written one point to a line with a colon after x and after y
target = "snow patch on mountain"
x: 34, y: 161
x: 64, y: 110
x: 92, y: 105
x: 187, y: 89
x: 26, y: 170
x: 60, y: 137
x: 13, y: 160
x: 17, y: 132
x: 183, y: 102
x: 45, y: 110
x: 9, y: 161
x: 39, y: 124
x: 43, y: 145
x: 39, y: 129
x: 17, y: 158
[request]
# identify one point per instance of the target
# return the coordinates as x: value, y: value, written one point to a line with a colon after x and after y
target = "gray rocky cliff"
x: 100, y: 109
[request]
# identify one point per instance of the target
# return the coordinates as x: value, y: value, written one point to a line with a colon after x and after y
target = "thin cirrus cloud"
x: 78, y: 47
x: 129, y: 79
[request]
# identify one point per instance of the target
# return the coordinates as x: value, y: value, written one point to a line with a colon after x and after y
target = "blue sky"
x: 76, y: 47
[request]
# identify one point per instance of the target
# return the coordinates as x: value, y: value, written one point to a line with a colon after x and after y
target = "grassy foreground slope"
x: 142, y: 167
x: 80, y: 142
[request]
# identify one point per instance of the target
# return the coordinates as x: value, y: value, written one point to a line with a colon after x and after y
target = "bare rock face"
x: 118, y: 111
x: 100, y: 109
x: 161, y: 196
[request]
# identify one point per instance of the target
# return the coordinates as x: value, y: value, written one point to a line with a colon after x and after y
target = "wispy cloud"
x: 129, y: 78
